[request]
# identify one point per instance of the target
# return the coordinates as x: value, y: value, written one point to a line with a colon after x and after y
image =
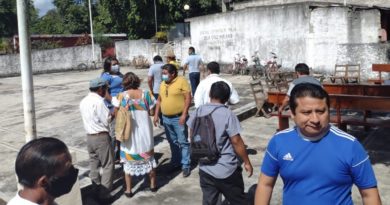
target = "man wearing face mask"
x: 96, y: 117
x: 174, y: 101
x: 44, y: 169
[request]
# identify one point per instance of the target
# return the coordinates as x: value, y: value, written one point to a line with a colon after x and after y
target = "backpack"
x: 204, y: 146
x: 123, y: 121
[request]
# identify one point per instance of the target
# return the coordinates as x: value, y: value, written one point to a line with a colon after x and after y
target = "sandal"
x: 129, y: 195
x: 153, y: 189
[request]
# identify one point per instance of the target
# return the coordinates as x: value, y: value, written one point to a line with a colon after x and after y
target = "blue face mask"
x: 164, y: 78
x: 115, y: 68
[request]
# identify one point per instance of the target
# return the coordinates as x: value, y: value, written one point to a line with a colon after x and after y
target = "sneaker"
x: 186, y: 172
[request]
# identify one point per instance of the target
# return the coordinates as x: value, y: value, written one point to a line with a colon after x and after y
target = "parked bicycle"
x: 257, y: 70
x: 240, y: 65
x: 272, y: 66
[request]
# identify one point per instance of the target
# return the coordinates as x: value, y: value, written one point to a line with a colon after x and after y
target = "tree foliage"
x: 136, y: 18
x: 8, y: 17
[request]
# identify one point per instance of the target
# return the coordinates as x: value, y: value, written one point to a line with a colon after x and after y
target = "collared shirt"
x: 202, y: 92
x: 94, y: 113
x: 18, y: 200
x: 155, y: 72
x: 193, y: 61
x: 172, y: 96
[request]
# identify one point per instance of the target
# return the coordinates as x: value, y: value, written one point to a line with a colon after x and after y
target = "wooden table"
x: 338, y: 101
x: 358, y: 89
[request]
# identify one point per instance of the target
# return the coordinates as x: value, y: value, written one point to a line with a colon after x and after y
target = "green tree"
x: 51, y: 23
x: 9, y: 23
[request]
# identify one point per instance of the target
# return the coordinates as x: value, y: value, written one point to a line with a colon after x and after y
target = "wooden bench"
x: 349, y: 73
x: 341, y: 102
x: 363, y: 103
x: 379, y: 68
x: 358, y: 89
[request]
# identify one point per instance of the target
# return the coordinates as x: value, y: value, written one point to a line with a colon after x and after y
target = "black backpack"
x: 204, y: 146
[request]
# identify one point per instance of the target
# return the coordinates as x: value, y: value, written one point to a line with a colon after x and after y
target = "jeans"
x: 194, y: 80
x: 231, y: 187
x: 178, y: 141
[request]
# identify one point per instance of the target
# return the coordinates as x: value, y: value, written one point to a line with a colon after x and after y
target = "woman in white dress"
x: 137, y: 153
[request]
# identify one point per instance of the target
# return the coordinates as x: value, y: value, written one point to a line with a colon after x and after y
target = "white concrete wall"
x: 278, y: 29
x: 50, y: 60
x: 365, y: 55
x: 331, y: 27
x: 181, y: 46
x: 253, y: 3
x: 126, y: 51
x: 122, y: 50
x: 295, y: 32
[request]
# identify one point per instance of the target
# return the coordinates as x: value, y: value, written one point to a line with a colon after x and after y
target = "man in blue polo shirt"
x: 318, y: 162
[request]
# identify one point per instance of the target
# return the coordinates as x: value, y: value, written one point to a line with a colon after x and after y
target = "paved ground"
x: 57, y: 98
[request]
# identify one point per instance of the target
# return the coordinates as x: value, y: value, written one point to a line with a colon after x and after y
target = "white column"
x: 26, y: 71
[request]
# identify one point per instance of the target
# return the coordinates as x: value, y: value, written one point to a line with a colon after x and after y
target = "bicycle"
x: 240, y: 65
x: 257, y: 69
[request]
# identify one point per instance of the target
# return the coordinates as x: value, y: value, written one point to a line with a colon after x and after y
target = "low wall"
x: 51, y: 60
x: 126, y: 51
x: 365, y: 55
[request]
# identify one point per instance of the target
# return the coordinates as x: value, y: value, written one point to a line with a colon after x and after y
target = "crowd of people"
x: 303, y: 156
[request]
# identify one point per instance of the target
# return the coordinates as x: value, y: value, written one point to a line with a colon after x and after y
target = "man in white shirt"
x: 193, y: 64
x: 96, y: 117
x: 202, y: 97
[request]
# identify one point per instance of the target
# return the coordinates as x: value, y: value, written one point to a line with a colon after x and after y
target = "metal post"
x: 26, y: 71
x: 155, y: 15
x: 91, y: 25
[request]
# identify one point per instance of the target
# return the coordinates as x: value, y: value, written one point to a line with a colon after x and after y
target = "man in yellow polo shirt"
x: 174, y: 101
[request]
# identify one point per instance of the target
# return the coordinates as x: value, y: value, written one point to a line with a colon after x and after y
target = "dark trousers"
x: 194, y: 80
x: 231, y: 187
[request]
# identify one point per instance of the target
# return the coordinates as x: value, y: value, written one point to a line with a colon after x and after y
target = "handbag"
x: 123, y: 121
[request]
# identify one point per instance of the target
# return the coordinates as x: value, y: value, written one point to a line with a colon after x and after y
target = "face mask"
x: 115, y: 68
x: 59, y: 186
x: 165, y: 78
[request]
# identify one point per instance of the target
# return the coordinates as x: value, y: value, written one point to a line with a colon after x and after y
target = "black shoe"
x: 186, y: 172
x: 129, y: 195
x: 152, y: 189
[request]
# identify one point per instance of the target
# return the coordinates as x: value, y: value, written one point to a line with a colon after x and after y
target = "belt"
x: 99, y: 133
x: 172, y: 116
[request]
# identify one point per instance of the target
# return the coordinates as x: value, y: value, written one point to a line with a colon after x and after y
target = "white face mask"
x: 164, y: 77
x: 115, y: 68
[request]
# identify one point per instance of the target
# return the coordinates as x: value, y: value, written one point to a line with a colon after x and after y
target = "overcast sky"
x: 43, y: 6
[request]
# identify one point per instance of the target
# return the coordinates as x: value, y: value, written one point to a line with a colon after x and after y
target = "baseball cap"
x: 97, y: 82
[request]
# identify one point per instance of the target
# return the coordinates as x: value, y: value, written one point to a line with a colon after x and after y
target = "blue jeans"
x: 194, y: 80
x: 178, y: 141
